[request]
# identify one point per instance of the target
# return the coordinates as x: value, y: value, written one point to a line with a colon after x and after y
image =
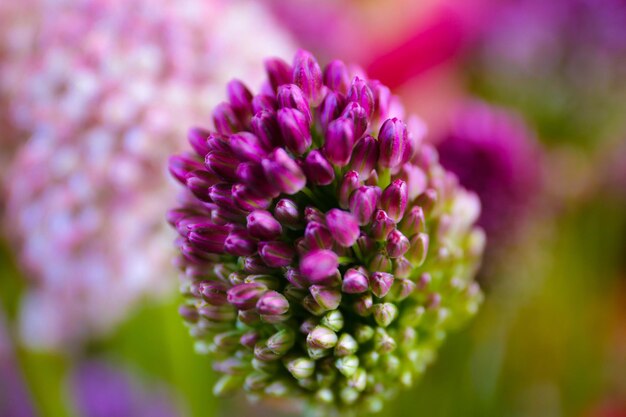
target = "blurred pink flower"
x: 107, y: 92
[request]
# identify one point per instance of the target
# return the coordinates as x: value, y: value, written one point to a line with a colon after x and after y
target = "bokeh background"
x: 525, y: 99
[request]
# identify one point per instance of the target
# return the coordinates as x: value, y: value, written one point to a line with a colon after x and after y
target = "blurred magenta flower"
x: 107, y: 93
x: 101, y: 390
x: 561, y: 62
x: 495, y: 155
x: 324, y: 251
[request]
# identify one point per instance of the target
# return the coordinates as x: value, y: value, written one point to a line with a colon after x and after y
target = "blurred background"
x: 525, y: 100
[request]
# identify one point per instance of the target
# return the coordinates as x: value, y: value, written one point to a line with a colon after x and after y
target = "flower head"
x: 495, y: 155
x: 338, y: 275
x: 96, y: 93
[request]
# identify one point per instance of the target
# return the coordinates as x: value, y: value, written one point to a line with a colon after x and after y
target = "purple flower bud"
x: 414, y: 222
x: 427, y: 200
x: 245, y: 296
x: 246, y: 200
x: 265, y: 127
x: 312, y: 214
x: 330, y: 109
x: 327, y: 298
x: 307, y: 75
x: 197, y: 138
x: 354, y: 282
x: 222, y: 164
x: 349, y: 183
x: 278, y: 72
x: 276, y: 254
x: 405, y: 287
x: 343, y: 226
x: 255, y: 265
x: 394, y: 200
x: 287, y: 213
x: 393, y: 139
x: 357, y: 114
x: 309, y: 303
x: 225, y: 120
x: 240, y: 99
x: 322, y: 337
x: 339, y: 141
x: 295, y: 278
x: 239, y: 243
x: 264, y: 103
x: 363, y: 305
x: 317, y: 168
x: 363, y: 204
x: 336, y: 76
x: 380, y: 283
x: 418, y: 250
x: 263, y: 225
x: 366, y: 244
x: 199, y: 182
x: 384, y: 313
x: 318, y: 265
x: 360, y: 93
x: 247, y: 147
x: 188, y: 313
x: 250, y: 339
x: 317, y: 236
x: 222, y: 195
x: 380, y: 262
x: 397, y: 244
x: 284, y: 172
x: 255, y: 180
x: 180, y: 166
x: 364, y: 156
x: 213, y: 293
x: 382, y: 225
x: 402, y: 267
x: 290, y: 96
x: 272, y: 303
x: 295, y: 130
x: 209, y: 237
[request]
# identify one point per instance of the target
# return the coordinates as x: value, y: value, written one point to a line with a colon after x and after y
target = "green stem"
x: 384, y: 178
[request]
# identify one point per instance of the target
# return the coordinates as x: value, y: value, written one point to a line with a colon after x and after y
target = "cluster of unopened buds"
x: 324, y: 251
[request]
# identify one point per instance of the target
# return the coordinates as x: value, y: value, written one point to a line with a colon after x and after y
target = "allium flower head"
x: 495, y: 155
x: 325, y: 253
x: 107, y: 92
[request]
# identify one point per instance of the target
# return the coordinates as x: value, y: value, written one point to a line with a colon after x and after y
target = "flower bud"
x: 294, y: 127
x: 223, y: 165
x: 330, y: 110
x: 180, y: 166
x: 333, y: 320
x: 360, y: 93
x: 318, y: 265
x: 291, y: 96
x: 286, y: 212
x: 239, y: 243
x: 307, y: 75
x: 278, y: 72
x: 197, y: 138
x: 225, y: 120
x: 354, y: 282
x: 363, y: 305
x: 349, y: 183
x: 394, y: 200
x: 382, y: 225
x: 363, y: 204
x: 261, y: 224
x: 213, y: 293
x: 281, y: 342
x: 301, y: 367
x: 327, y: 298
x: 414, y: 222
x: 264, y: 103
x: 343, y: 226
x: 240, y: 99
x: 317, y: 236
x: 247, y: 147
x: 384, y: 313
x: 318, y: 169
x: 276, y: 254
x: 336, y: 77
x: 346, y: 345
x: 272, y: 303
x: 380, y: 283
x: 245, y: 296
x: 364, y: 156
x: 321, y: 337
x: 397, y: 244
x: 339, y: 141
x: 265, y: 127
x: 188, y: 313
x: 418, y: 250
x: 357, y: 114
x: 393, y: 140
x: 284, y: 172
